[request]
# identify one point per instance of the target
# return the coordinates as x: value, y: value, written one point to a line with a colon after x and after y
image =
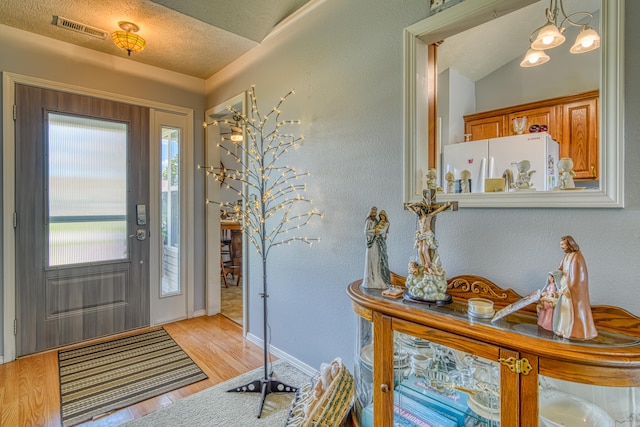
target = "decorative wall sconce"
x: 551, y: 35
x: 127, y: 39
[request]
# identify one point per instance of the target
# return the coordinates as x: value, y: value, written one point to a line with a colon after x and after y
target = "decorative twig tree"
x: 272, y: 211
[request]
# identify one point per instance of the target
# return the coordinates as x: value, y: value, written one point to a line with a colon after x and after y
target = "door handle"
x: 141, y: 234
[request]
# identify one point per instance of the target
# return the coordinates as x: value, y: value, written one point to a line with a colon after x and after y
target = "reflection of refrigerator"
x: 490, y: 158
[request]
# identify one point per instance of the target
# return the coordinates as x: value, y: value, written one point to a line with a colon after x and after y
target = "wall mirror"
x: 430, y: 90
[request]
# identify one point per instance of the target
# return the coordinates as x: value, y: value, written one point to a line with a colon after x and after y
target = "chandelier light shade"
x: 534, y: 57
x: 551, y: 34
x: 587, y: 40
x: 127, y: 39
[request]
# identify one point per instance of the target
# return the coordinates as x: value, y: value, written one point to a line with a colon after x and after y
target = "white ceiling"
x: 195, y: 37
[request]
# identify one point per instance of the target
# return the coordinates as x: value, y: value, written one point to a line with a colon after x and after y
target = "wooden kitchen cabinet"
x: 572, y: 121
x: 468, y: 371
x: 486, y: 127
x: 579, y: 131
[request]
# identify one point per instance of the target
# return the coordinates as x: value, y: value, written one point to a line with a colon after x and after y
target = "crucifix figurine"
x: 427, y: 282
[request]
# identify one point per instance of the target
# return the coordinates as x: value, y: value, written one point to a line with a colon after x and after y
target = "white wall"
x: 345, y: 63
x: 460, y: 101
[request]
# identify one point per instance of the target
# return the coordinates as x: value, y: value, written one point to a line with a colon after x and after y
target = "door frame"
x: 9, y: 80
x: 187, y: 229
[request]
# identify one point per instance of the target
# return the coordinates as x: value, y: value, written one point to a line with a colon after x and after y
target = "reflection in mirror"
x: 482, y: 96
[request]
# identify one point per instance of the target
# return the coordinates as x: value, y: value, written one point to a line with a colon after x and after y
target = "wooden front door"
x: 82, y: 191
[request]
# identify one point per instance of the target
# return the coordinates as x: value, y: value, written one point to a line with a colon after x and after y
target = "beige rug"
x: 99, y: 378
x: 216, y: 407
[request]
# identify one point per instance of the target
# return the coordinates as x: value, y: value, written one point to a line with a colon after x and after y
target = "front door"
x: 82, y: 194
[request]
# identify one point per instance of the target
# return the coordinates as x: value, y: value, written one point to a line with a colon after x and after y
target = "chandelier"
x: 551, y: 34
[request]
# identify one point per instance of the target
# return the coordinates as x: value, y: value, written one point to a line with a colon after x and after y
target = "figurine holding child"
x: 376, y: 273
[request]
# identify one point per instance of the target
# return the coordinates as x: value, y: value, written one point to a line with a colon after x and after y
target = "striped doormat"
x: 99, y: 378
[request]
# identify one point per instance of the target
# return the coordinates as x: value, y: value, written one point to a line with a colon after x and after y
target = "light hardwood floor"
x: 30, y: 390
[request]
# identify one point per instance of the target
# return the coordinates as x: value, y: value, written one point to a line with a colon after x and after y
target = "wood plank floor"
x: 30, y: 388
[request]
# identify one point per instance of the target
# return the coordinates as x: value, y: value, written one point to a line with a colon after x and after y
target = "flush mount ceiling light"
x: 127, y: 39
x: 551, y: 35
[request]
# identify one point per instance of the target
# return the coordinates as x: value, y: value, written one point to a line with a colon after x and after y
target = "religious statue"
x: 572, y: 316
x: 548, y: 301
x: 427, y: 281
x: 523, y: 180
x: 376, y: 271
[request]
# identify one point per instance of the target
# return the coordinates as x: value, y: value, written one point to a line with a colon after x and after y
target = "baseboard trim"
x: 284, y: 356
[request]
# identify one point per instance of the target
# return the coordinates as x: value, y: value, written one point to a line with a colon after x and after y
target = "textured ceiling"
x: 198, y: 38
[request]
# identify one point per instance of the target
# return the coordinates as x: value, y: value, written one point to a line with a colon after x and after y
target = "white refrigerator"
x: 490, y: 158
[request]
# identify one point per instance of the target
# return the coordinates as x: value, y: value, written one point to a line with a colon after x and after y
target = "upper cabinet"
x: 572, y: 121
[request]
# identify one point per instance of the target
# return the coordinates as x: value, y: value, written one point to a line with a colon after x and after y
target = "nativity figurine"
x: 572, y: 317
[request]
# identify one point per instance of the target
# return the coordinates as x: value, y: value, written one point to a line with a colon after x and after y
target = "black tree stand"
x: 266, y: 385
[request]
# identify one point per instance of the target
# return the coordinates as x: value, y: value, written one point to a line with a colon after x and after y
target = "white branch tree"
x: 274, y: 208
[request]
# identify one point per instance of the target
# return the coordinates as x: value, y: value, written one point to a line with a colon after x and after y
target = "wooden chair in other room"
x: 225, y: 254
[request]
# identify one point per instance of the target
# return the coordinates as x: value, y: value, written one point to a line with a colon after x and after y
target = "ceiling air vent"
x: 61, y: 22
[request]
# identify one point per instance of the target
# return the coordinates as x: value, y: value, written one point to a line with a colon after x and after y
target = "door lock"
x: 141, y: 234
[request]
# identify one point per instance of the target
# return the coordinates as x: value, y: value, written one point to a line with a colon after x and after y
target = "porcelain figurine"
x: 523, y: 180
x: 376, y: 272
x: 548, y: 300
x: 565, y: 174
x: 427, y: 281
x: 572, y: 316
x: 465, y: 184
x: 432, y: 181
x: 451, y: 182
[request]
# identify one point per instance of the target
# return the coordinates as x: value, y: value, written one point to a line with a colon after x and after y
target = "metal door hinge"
x: 15, y: 111
x: 519, y: 366
x: 15, y: 219
x: 15, y: 326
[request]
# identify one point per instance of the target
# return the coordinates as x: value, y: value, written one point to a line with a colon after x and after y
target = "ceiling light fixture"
x: 236, y: 131
x: 551, y: 35
x: 127, y: 39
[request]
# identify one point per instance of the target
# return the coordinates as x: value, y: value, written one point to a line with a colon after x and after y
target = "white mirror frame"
x: 470, y: 13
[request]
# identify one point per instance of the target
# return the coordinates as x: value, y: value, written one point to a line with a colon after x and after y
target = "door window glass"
x: 86, y: 190
x: 170, y: 200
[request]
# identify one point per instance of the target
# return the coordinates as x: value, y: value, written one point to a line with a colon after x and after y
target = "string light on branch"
x: 270, y: 197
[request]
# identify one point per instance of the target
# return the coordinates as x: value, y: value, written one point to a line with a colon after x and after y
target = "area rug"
x: 99, y: 378
x: 216, y: 407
